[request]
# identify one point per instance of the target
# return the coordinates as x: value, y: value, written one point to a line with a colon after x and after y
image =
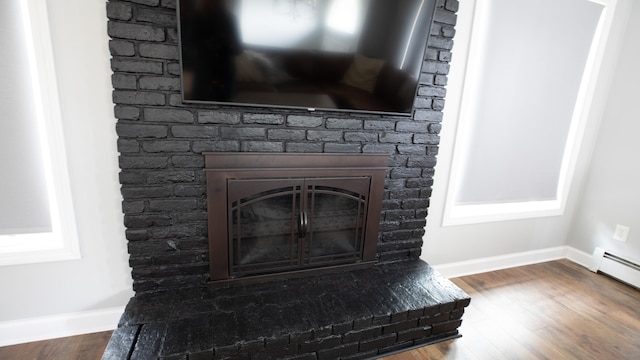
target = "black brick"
x: 405, y: 173
x: 445, y: 17
x: 172, y: 205
x: 324, y: 135
x: 137, y: 98
x: 170, y: 177
x: 134, y: 32
x: 216, y: 146
x: 444, y: 56
x: 441, y: 42
x: 159, y: 51
x: 145, y: 221
x: 446, y: 327
x: 128, y: 146
x: 413, y: 224
x: 436, y: 67
x: 379, y: 148
x: 146, y: 2
x: 166, y: 146
x: 127, y: 112
x: 286, y: 134
x: 347, y: 124
x: 366, y: 137
x: 194, y: 131
x: 338, y: 352
x: 412, y: 126
x: 136, y: 234
x: 141, y: 131
x: 145, y: 192
x: 132, y: 207
x: 218, y: 117
x: 338, y: 329
x: 397, y: 138
x: 304, y: 147
x: 358, y: 335
x: 137, y: 66
x: 429, y: 139
x: 400, y: 326
x: 168, y: 115
x: 422, y: 182
x: 159, y: 83
x: 423, y: 103
x: 432, y: 91
x: 324, y: 343
x: 129, y: 177
x: 121, y: 48
x: 119, y: 11
x: 441, y: 80
x: 156, y: 17
x: 266, y: 119
x: 304, y: 121
x: 379, y: 125
x: 435, y: 128
x: 243, y: 133
x: 342, y: 148
x: 121, y: 81
x: 169, y: 4
x: 399, y: 215
x: 173, y: 68
x: 190, y: 190
x: 438, y: 104
x: 378, y: 343
x: 261, y: 146
x: 412, y: 150
x: 188, y: 161
x: 143, y: 162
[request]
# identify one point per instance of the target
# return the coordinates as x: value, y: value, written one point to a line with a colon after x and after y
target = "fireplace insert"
x: 284, y: 214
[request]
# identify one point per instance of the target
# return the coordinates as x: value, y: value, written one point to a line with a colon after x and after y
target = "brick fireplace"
x: 161, y: 144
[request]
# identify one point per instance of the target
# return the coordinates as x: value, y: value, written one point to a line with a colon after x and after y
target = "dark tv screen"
x: 344, y: 55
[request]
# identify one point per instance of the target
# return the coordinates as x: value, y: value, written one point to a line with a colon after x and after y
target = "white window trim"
x: 62, y: 242
x: 455, y: 214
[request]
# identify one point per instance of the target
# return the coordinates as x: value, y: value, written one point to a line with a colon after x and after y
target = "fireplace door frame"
x: 222, y: 167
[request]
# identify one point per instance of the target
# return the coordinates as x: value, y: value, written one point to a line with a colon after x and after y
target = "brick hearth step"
x: 356, y: 314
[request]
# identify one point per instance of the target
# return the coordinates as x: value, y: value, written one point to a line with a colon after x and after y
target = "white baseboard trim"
x: 579, y: 257
x: 477, y: 266
x: 56, y: 326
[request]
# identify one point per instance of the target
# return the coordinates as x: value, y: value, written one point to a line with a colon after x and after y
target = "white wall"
x: 466, y: 243
x: 612, y: 192
x: 101, y: 279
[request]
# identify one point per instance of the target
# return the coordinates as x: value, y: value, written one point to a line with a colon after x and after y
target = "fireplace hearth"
x: 358, y: 314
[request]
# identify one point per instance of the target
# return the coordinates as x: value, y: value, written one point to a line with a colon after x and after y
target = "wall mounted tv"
x: 344, y: 55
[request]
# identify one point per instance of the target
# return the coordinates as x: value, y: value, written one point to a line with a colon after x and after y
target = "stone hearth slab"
x: 346, y: 315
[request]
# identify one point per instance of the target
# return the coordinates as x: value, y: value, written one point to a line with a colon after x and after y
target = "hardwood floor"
x: 81, y: 347
x: 554, y: 310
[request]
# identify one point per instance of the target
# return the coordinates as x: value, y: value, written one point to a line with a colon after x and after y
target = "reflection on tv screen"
x: 355, y: 55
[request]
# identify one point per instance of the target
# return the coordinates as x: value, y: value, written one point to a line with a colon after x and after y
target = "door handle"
x: 302, y: 224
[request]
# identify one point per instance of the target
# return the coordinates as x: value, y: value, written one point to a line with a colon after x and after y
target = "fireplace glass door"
x: 278, y: 225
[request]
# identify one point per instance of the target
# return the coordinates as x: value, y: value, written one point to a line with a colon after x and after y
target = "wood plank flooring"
x: 81, y: 347
x: 553, y: 310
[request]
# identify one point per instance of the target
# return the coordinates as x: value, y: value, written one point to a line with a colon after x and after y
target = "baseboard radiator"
x: 625, y: 270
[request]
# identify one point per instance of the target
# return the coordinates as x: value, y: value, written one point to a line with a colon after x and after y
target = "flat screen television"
x: 343, y: 55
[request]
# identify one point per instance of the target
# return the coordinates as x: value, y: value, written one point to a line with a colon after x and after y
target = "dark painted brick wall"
x: 161, y: 141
